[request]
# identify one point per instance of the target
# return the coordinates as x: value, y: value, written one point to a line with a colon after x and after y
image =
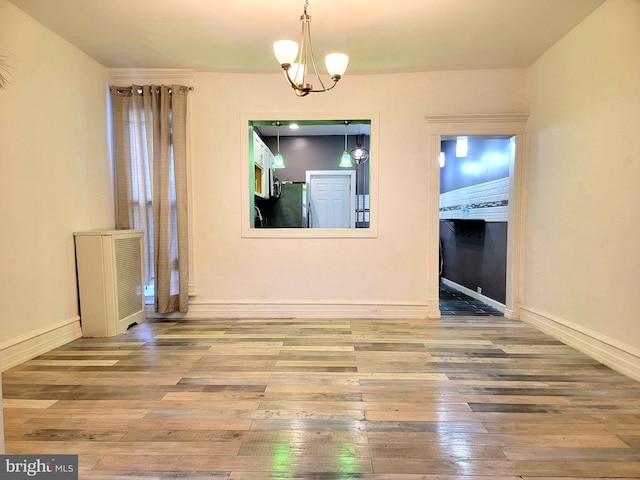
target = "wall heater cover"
x: 110, y: 280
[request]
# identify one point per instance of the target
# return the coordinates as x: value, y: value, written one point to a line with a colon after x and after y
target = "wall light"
x: 462, y: 147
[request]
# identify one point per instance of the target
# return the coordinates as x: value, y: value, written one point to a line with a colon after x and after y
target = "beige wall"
x: 313, y: 275
x: 582, y: 228
x: 54, y: 180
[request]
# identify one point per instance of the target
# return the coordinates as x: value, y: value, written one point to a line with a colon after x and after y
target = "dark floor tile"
x: 453, y: 302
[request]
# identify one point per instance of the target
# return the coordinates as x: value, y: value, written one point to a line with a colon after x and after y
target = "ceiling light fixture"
x: 278, y: 161
x: 359, y: 153
x: 462, y: 147
x: 297, y: 60
x: 345, y: 161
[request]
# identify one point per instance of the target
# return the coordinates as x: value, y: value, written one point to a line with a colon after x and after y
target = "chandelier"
x: 298, y: 61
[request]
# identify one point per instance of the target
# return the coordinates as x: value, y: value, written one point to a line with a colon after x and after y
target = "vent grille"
x: 129, y: 276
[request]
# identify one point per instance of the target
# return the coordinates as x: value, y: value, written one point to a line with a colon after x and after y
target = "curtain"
x: 149, y: 126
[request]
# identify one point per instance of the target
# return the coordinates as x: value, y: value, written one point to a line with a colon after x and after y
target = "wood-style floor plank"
x: 466, y: 398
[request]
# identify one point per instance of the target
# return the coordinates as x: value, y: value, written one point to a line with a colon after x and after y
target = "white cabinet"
x: 110, y: 280
x: 262, y: 161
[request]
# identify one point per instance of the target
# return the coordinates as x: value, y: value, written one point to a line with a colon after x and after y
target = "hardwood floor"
x: 474, y: 398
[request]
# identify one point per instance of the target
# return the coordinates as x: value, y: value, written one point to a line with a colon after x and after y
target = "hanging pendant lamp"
x: 278, y: 160
x: 359, y: 153
x: 345, y: 161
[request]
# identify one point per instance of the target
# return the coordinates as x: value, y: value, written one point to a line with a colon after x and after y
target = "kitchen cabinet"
x: 262, y: 161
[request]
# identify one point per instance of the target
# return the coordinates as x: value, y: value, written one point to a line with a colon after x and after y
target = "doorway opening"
x: 473, y: 216
x: 511, y: 126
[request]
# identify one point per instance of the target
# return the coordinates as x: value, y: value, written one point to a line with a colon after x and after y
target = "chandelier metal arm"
x: 307, y: 50
x: 301, y: 90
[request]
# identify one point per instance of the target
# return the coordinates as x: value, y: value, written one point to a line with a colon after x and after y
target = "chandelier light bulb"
x: 297, y: 73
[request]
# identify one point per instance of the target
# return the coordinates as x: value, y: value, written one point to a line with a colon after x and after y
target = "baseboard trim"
x: 615, y: 354
x: 475, y: 295
x: 256, y: 309
x: 37, y: 342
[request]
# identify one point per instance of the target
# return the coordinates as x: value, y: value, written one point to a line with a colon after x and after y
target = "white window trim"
x: 374, y: 167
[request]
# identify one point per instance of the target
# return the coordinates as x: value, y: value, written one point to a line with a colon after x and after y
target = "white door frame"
x: 481, y: 124
x: 352, y: 194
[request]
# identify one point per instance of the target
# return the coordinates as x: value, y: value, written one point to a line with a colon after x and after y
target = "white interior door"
x: 331, y: 197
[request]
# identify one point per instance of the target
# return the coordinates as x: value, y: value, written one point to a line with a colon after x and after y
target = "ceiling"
x: 380, y: 36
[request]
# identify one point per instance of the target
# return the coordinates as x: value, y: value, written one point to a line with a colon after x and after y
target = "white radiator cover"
x: 110, y: 280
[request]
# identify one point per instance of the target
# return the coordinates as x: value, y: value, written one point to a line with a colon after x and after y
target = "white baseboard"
x: 434, y: 313
x: 37, y: 342
x: 475, y: 295
x: 615, y: 354
x: 256, y: 309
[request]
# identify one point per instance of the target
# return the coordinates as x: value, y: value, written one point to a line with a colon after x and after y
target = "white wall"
x: 582, y: 228
x: 54, y: 180
x: 386, y: 275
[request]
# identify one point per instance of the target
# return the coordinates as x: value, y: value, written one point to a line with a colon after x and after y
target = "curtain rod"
x: 139, y: 89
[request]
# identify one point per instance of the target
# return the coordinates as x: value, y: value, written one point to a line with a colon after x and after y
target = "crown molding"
x: 150, y: 75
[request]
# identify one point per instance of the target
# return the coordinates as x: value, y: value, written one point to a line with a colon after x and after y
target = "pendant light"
x: 278, y: 161
x: 345, y: 161
x: 359, y: 153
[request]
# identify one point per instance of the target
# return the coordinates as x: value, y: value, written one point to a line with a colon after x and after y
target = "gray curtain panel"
x: 149, y: 124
